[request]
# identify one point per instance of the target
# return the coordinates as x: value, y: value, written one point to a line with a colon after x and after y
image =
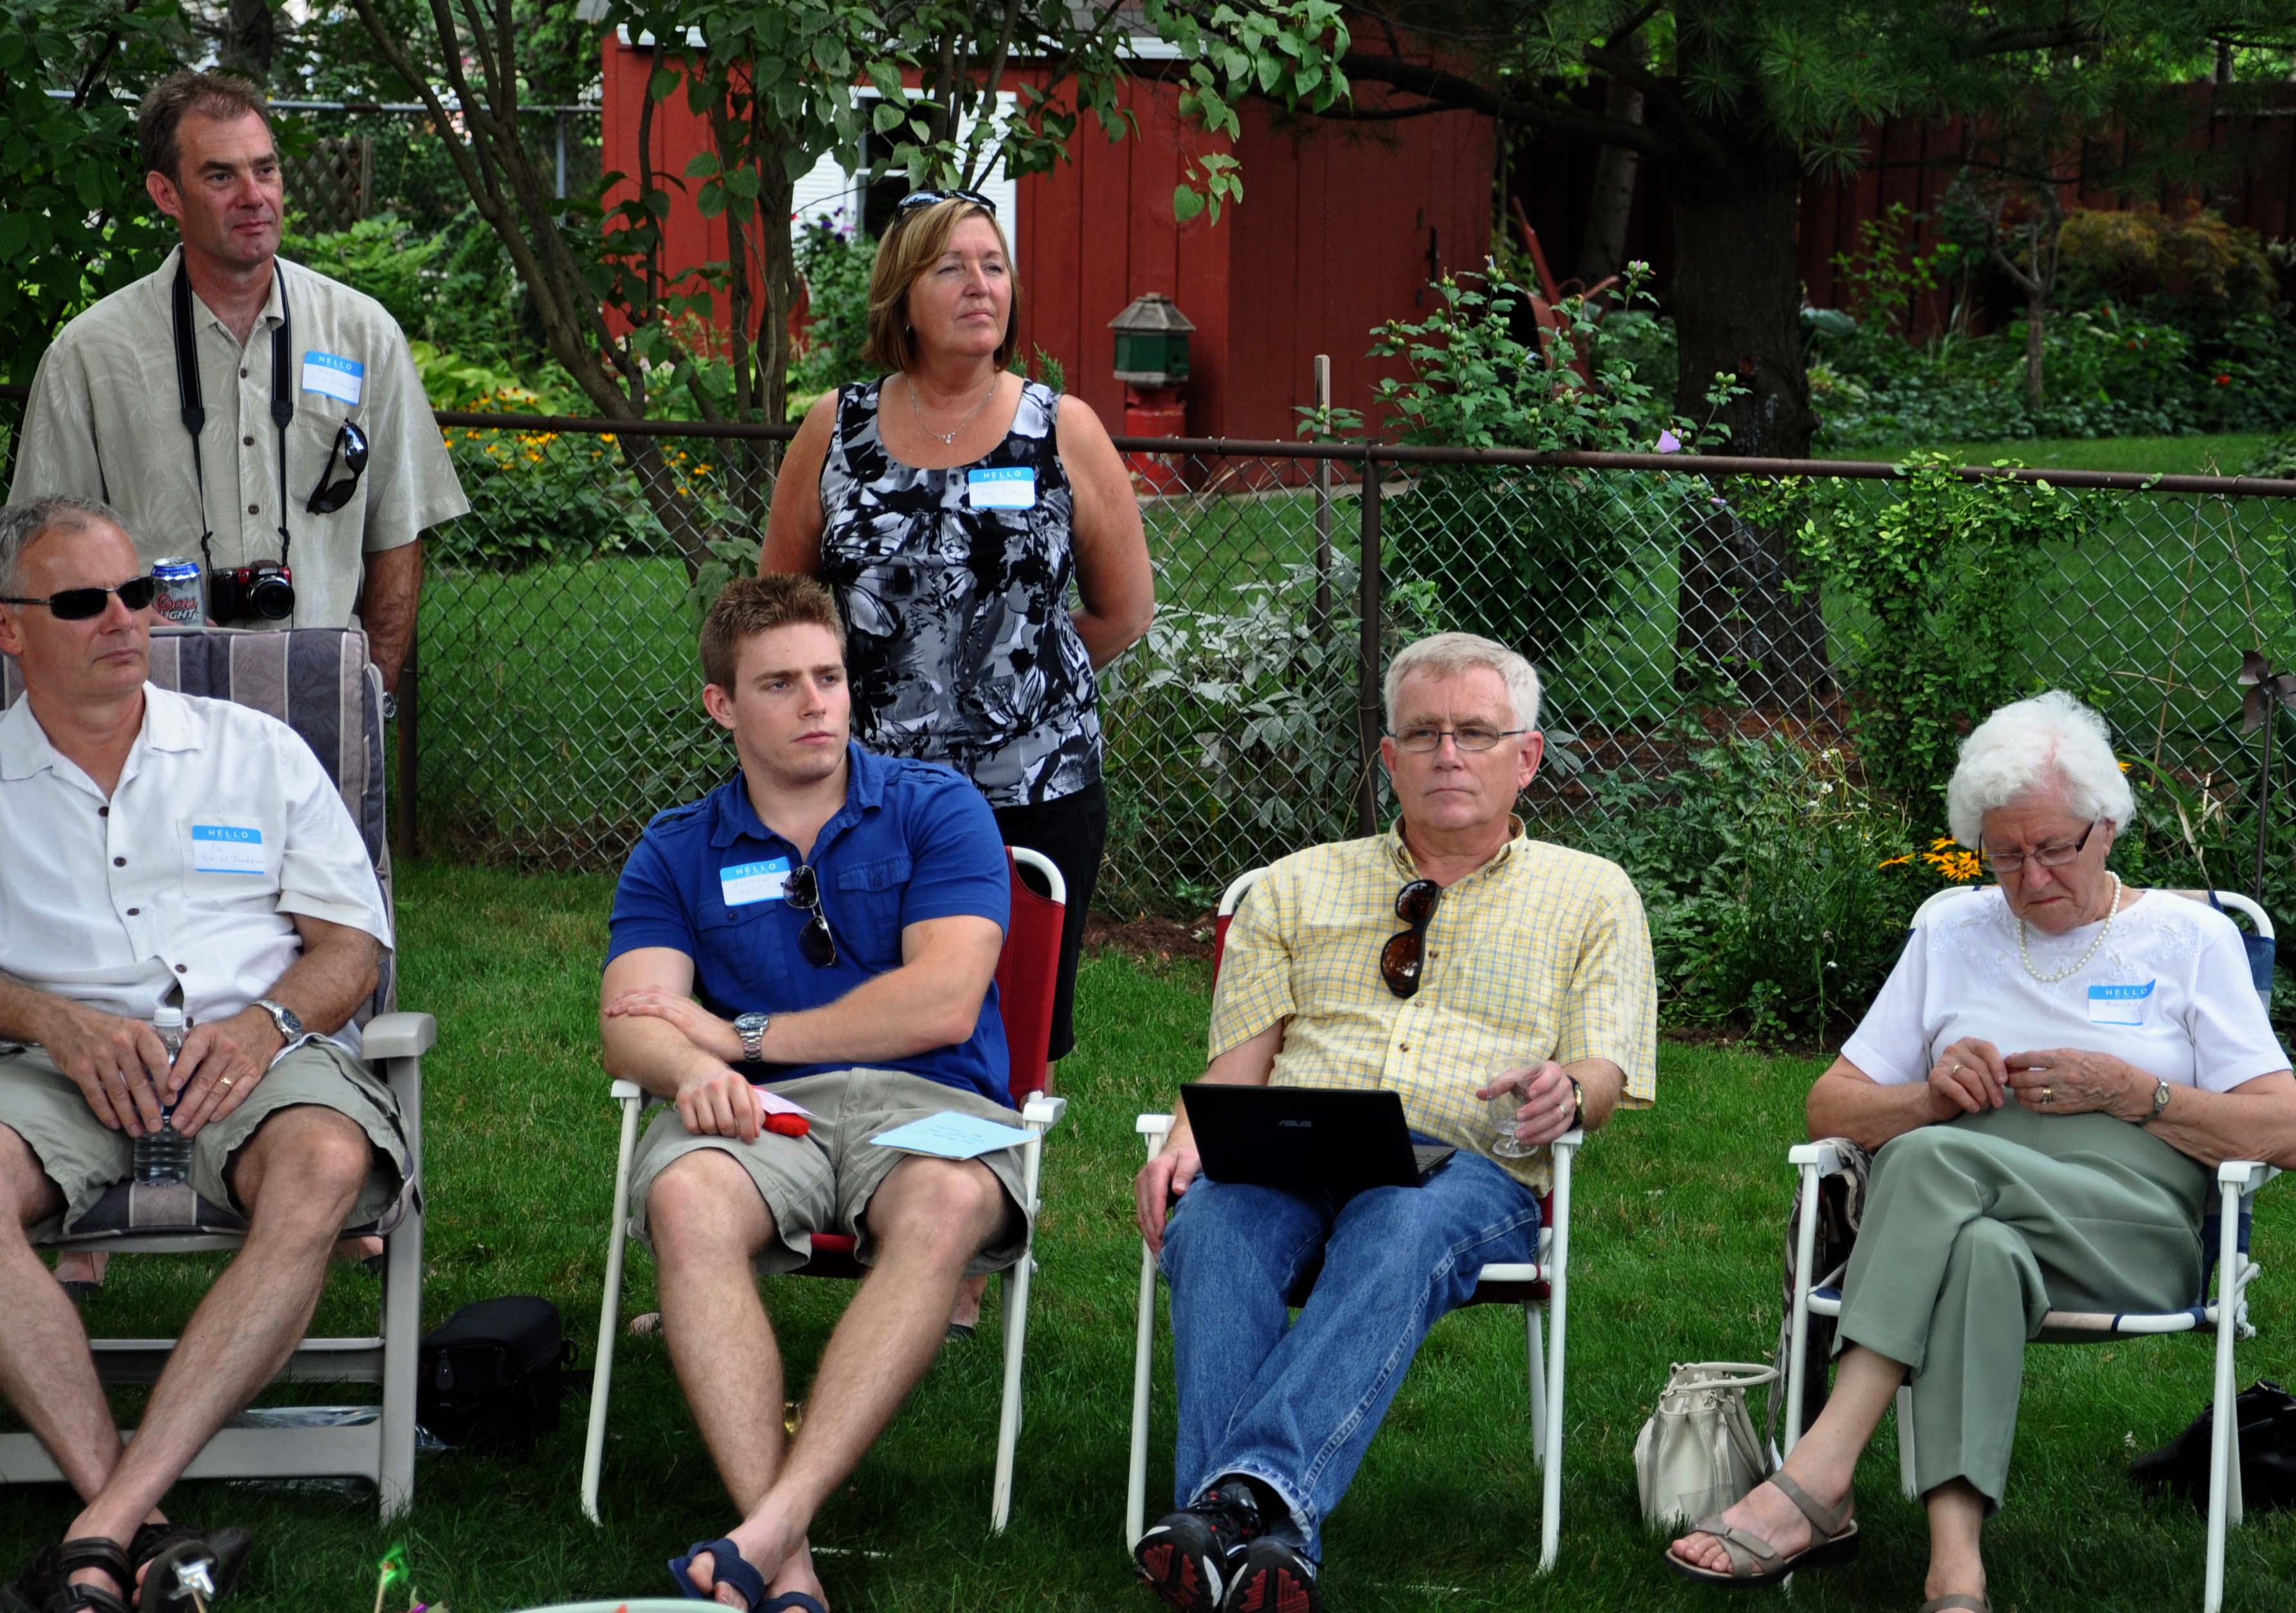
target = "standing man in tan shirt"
x: 1522, y: 971
x: 241, y: 409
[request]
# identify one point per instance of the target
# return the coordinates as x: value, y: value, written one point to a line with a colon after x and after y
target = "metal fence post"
x: 1369, y: 717
x: 403, y: 842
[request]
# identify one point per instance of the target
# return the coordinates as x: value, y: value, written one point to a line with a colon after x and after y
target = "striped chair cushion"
x: 319, y: 682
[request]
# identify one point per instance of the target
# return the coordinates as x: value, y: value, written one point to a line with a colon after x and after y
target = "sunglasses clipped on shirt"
x: 350, y: 451
x: 917, y: 199
x: 1400, y: 957
x: 78, y: 605
x: 803, y: 892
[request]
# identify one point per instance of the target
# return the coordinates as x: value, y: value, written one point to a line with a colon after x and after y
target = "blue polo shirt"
x: 914, y: 841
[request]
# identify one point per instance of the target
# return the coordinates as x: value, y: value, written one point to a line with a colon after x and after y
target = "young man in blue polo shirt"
x: 824, y: 927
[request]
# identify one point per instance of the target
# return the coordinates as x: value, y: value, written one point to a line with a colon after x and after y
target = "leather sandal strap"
x: 1748, y: 1553
x: 1827, y: 1521
x: 95, y: 1551
x: 85, y: 1599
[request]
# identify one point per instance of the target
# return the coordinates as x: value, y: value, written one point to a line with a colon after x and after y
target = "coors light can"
x: 181, y: 600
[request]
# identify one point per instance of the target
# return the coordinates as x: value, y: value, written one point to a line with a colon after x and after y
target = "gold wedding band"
x: 2048, y: 1093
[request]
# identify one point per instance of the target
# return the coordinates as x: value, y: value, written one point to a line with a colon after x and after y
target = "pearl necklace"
x: 2111, y: 913
x: 948, y: 439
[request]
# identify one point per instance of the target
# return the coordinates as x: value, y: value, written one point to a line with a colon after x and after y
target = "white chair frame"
x: 1544, y: 1369
x: 2237, y: 1183
x: 1038, y: 1116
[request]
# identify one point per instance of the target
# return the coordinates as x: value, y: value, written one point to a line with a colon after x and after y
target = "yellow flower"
x: 1896, y: 863
x: 1942, y: 842
x: 608, y: 437
x: 2122, y: 766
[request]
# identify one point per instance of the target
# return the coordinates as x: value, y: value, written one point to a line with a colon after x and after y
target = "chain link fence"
x: 556, y: 706
x: 560, y: 708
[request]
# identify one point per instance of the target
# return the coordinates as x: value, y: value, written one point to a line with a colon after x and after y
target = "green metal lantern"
x: 1152, y: 342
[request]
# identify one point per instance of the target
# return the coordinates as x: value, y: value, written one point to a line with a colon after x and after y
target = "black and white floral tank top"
x: 954, y: 585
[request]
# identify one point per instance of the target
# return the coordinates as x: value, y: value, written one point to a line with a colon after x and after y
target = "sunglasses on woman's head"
x: 1399, y: 958
x: 78, y: 605
x: 803, y: 892
x: 917, y: 199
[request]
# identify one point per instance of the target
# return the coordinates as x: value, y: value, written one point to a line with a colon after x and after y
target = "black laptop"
x: 1307, y: 1139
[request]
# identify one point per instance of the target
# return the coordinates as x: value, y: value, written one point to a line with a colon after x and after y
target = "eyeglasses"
x: 78, y: 605
x: 803, y: 892
x: 917, y: 199
x: 1468, y: 737
x: 330, y: 495
x: 2047, y: 856
x: 1399, y: 959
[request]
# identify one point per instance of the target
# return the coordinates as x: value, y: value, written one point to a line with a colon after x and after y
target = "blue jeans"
x: 1294, y: 1402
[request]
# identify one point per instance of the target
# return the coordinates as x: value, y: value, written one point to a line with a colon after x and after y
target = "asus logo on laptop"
x: 1301, y: 1124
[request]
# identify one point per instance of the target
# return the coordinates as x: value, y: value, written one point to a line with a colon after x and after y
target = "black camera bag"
x: 491, y: 1377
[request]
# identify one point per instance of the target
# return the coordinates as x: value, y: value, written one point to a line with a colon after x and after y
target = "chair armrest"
x: 1575, y: 1137
x: 1043, y: 1111
x: 624, y: 1090
x: 1154, y: 1125
x: 399, y: 1036
x: 2246, y: 1174
x: 1825, y: 1156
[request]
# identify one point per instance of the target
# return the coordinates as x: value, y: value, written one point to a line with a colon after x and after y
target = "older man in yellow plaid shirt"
x: 1517, y: 996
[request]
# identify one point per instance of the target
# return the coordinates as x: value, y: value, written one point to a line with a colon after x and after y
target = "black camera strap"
x: 189, y: 395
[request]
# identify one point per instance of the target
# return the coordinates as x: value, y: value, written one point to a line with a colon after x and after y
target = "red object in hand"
x: 788, y: 1125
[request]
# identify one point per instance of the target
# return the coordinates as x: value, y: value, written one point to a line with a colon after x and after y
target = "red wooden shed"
x: 1341, y: 227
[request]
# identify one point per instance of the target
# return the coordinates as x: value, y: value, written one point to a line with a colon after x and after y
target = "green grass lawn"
x: 1676, y: 1243
x: 2226, y: 454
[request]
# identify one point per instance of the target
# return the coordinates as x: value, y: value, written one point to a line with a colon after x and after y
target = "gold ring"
x: 2048, y: 1093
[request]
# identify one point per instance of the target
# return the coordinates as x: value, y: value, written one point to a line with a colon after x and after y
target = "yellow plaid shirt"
x: 1541, y: 953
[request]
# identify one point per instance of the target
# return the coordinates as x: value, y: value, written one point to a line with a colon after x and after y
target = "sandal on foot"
x: 56, y: 1567
x: 175, y: 1559
x: 728, y: 1567
x: 1755, y: 1561
x: 792, y: 1601
x: 1958, y: 1598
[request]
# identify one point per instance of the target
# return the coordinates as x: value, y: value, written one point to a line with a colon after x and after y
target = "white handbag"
x: 1697, y: 1454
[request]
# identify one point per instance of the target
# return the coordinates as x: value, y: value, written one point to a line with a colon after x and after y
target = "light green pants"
x: 1973, y: 1229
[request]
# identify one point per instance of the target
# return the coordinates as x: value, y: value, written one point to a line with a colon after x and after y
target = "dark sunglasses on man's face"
x: 803, y: 892
x: 78, y: 605
x: 350, y: 450
x: 917, y: 199
x: 1399, y: 958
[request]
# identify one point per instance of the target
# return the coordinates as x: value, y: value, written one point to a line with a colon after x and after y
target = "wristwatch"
x: 290, y: 1028
x: 1578, y: 1102
x: 751, y: 1029
x: 2159, y: 1102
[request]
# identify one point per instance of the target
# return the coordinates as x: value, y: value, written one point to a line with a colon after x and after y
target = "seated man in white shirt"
x: 157, y: 850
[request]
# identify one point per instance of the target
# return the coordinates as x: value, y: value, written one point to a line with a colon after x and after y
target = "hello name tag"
x: 745, y: 883
x: 218, y: 848
x: 2118, y: 1004
x: 1004, y: 488
x: 333, y: 375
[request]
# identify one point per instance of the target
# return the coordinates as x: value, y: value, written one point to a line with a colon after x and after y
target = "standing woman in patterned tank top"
x: 949, y: 506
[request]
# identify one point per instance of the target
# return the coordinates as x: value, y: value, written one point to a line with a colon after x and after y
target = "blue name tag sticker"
x: 2119, y: 1004
x: 219, y: 848
x: 1004, y: 488
x: 745, y: 883
x: 333, y: 375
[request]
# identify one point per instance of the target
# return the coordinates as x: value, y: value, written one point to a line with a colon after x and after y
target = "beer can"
x: 181, y: 600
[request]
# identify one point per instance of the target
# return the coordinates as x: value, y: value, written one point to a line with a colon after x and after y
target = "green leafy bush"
x: 538, y: 497
x: 1530, y: 557
x: 1937, y: 573
x: 834, y: 259
x: 2188, y: 265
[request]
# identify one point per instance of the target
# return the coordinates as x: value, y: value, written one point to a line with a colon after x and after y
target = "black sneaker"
x: 1273, y: 1576
x: 1188, y: 1557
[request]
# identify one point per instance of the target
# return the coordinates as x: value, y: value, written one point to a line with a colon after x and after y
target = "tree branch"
x: 1456, y: 91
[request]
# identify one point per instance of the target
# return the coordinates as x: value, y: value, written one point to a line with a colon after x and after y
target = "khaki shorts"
x: 82, y: 1156
x: 822, y: 1181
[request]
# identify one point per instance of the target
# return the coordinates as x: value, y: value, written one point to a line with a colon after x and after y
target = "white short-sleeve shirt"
x: 222, y: 824
x: 2168, y: 991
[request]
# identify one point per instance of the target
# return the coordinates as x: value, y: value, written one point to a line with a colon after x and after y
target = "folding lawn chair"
x: 1027, y: 972
x: 2237, y: 1182
x: 1536, y: 1285
x: 317, y: 680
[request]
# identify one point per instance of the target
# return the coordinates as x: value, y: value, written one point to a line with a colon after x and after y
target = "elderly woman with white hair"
x: 2049, y: 1076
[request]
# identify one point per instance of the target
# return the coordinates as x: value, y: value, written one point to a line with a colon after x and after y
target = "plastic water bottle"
x: 165, y: 1155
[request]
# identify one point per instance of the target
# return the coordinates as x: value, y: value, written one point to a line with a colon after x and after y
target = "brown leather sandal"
x: 1755, y: 1561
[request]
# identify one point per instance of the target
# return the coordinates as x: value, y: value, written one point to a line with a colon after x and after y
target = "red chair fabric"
x: 1027, y: 970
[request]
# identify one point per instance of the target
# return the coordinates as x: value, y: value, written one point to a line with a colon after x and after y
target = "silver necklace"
x: 947, y: 438
x: 2111, y: 913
